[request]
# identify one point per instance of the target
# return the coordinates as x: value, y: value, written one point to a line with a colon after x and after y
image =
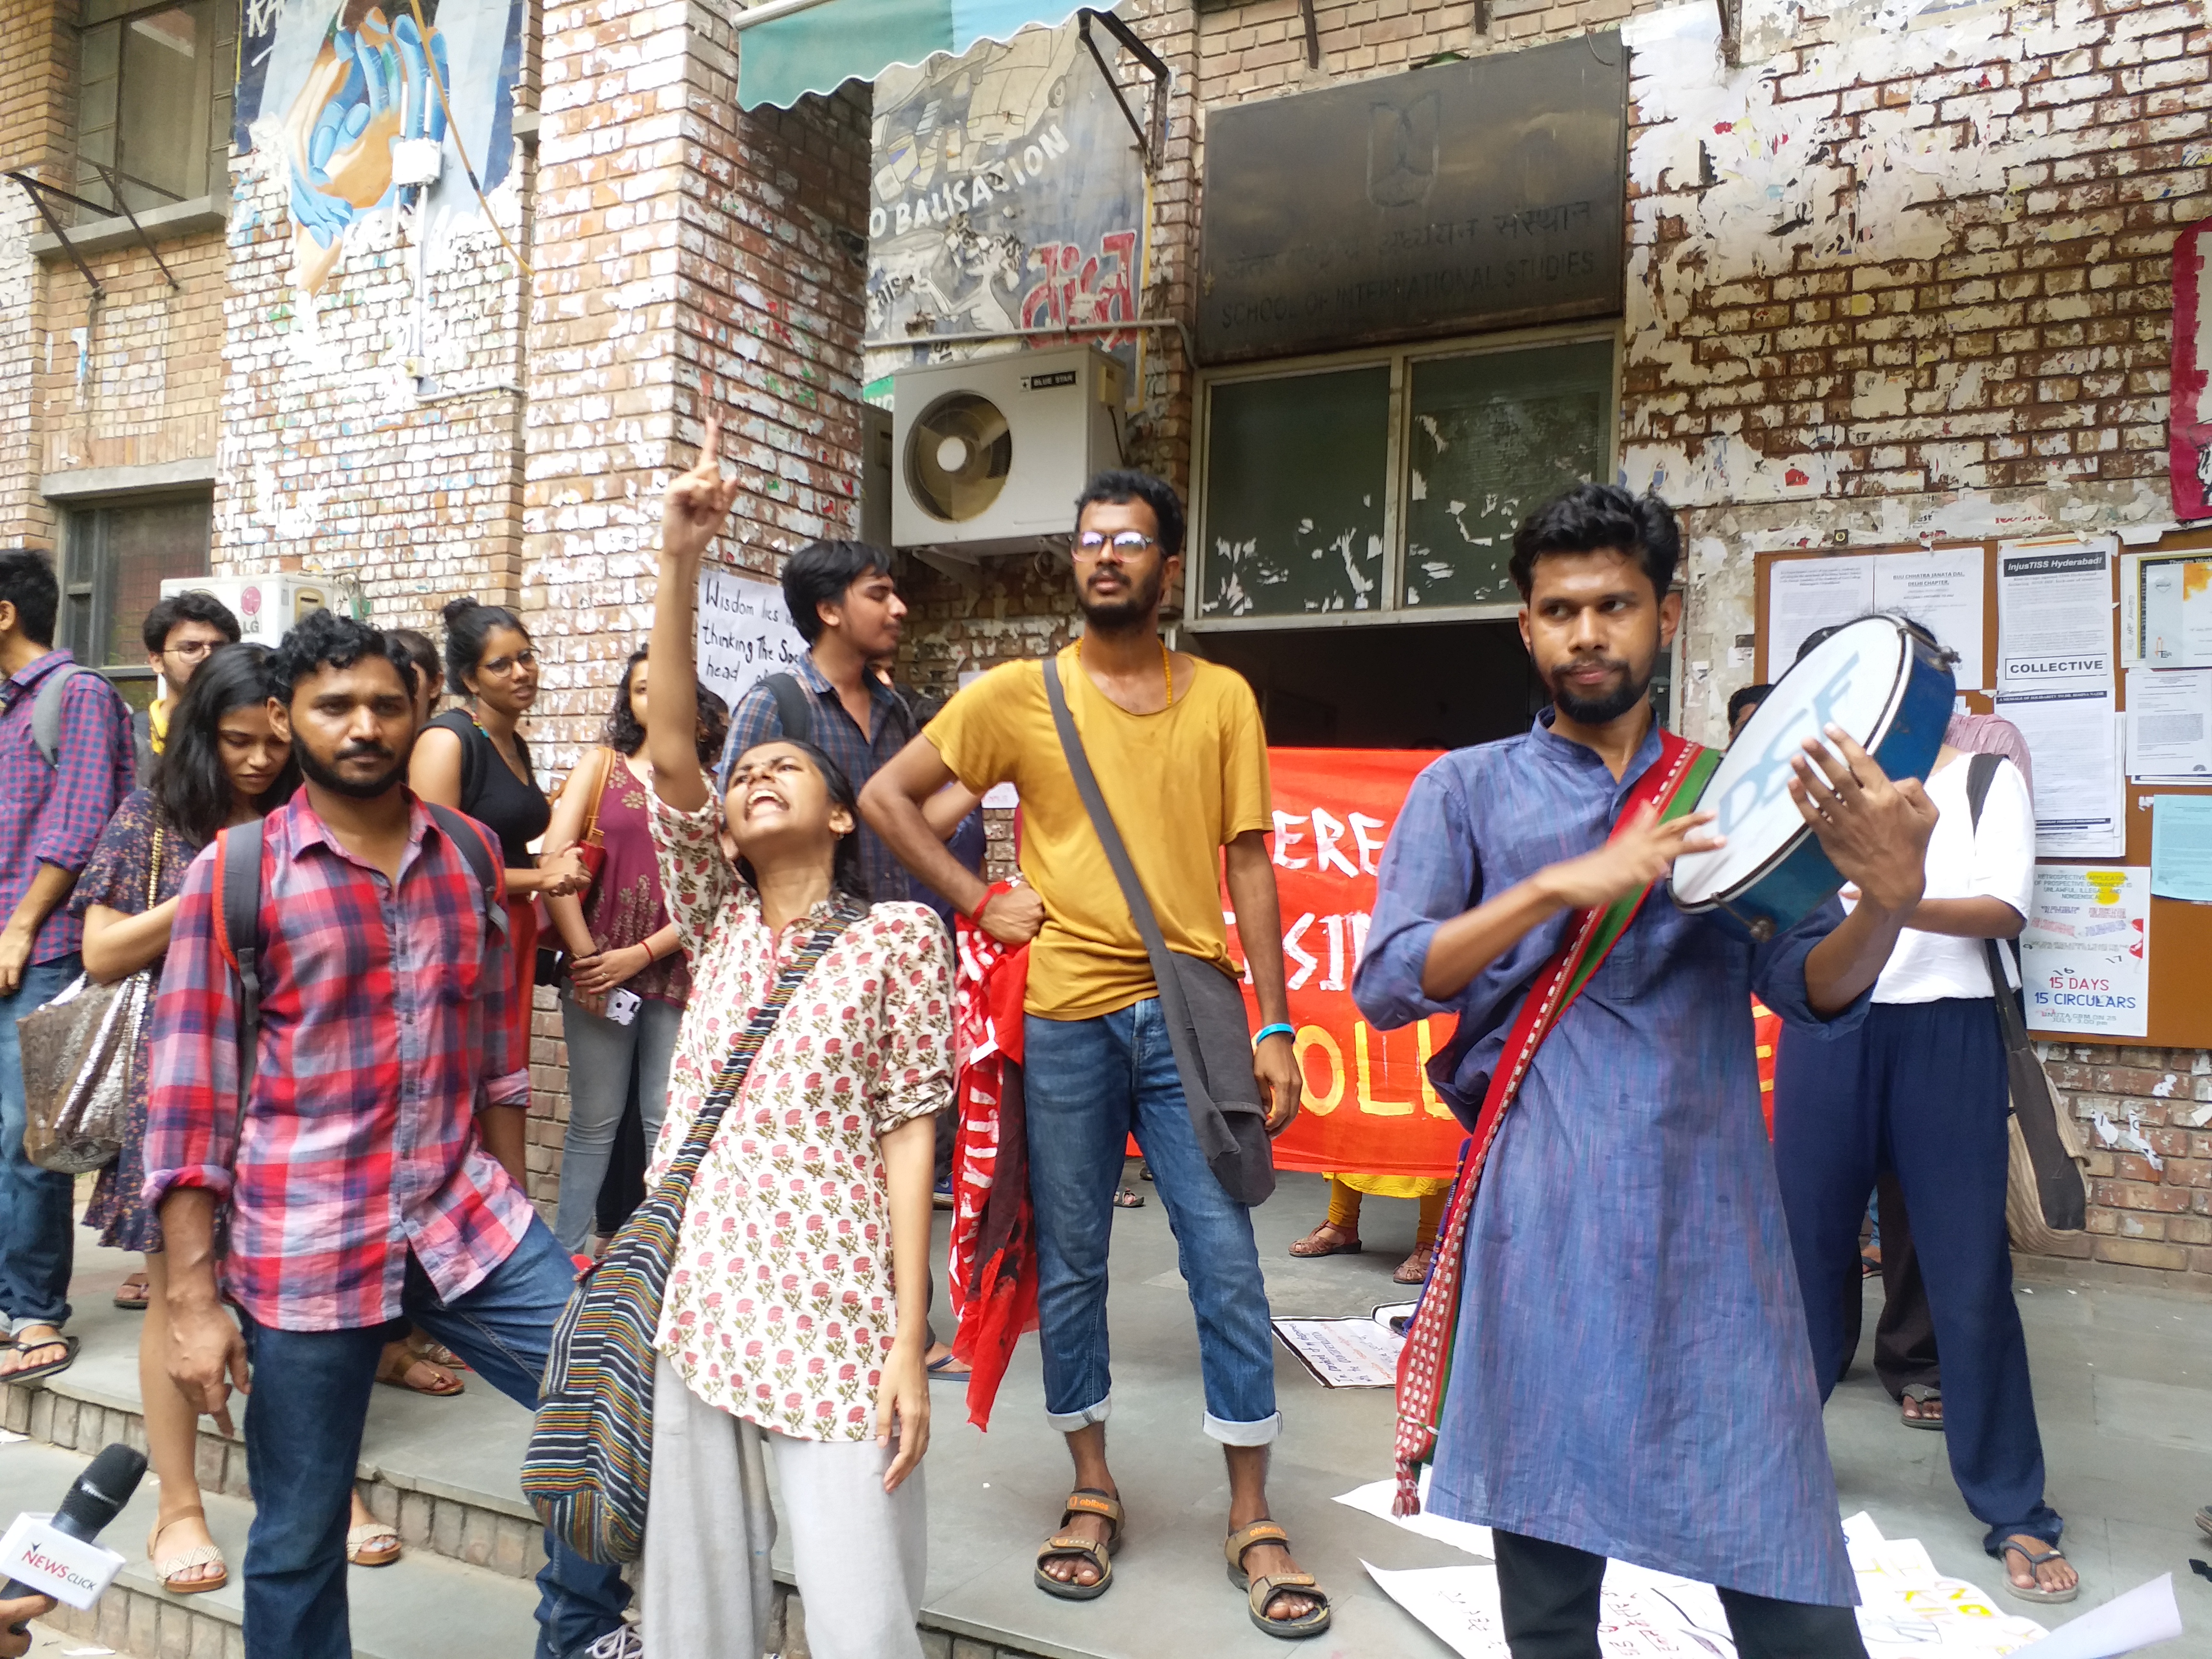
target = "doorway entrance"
x: 1408, y: 685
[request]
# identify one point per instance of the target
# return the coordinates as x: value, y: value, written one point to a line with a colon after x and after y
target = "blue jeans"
x: 36, y: 1241
x: 303, y: 1425
x: 605, y: 1062
x: 1088, y: 1085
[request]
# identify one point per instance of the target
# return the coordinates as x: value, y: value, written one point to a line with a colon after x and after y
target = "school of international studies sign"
x: 1487, y: 193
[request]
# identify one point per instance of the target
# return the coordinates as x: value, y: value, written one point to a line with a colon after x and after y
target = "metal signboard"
x: 1488, y: 193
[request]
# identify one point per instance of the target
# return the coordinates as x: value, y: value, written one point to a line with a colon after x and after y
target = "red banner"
x: 1369, y: 1108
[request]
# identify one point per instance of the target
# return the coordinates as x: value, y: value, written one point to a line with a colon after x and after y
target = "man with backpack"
x: 846, y: 608
x: 65, y: 765
x: 332, y: 1057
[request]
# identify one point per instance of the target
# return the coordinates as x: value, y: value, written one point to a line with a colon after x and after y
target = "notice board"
x: 2181, y: 933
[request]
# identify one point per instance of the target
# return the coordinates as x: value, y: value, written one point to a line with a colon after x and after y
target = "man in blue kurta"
x: 1630, y: 1374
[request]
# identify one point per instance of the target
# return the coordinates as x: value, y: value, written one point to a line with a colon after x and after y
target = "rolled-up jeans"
x: 605, y: 1062
x: 1088, y: 1085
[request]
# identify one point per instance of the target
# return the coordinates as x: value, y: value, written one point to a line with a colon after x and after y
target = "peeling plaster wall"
x: 1903, y: 273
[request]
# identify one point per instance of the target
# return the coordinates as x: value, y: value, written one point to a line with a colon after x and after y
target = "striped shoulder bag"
x: 591, y: 1449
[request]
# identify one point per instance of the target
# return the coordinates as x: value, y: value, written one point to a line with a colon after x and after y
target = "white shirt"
x: 1996, y: 860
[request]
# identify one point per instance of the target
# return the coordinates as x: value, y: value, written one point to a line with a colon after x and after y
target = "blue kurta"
x: 1632, y: 1375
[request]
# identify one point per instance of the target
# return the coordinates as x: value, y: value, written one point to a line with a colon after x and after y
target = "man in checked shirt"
x: 378, y: 1178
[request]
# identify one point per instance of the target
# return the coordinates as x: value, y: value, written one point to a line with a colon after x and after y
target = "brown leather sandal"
x: 1259, y: 1592
x: 1084, y: 1500
x: 1319, y: 1242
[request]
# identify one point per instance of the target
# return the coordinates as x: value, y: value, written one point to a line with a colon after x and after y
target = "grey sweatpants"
x: 859, y: 1553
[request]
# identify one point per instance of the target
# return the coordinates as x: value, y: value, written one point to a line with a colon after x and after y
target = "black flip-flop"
x: 1921, y: 1394
x: 33, y: 1373
x: 133, y: 1303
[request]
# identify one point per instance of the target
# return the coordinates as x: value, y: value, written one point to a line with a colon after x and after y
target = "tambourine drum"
x: 1881, y: 683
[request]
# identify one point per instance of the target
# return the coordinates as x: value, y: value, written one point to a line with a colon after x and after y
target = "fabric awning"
x: 789, y: 48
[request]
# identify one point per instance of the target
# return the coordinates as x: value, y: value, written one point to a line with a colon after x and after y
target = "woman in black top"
x: 473, y: 759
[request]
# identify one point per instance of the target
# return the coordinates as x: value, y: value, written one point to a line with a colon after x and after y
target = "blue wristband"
x: 1278, y: 1029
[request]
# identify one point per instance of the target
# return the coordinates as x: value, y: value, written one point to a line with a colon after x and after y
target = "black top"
x: 515, y: 810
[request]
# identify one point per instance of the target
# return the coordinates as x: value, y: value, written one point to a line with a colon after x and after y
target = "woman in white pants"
x: 795, y: 1322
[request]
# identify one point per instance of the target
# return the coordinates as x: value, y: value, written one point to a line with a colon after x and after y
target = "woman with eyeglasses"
x: 473, y: 757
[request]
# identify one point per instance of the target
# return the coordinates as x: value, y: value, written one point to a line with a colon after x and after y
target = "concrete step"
x: 421, y: 1605
x: 442, y: 1471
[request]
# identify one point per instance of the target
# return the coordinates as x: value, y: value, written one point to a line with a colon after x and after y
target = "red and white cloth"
x: 994, y: 1255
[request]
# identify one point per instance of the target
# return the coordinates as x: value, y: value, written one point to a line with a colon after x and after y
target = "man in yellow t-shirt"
x: 1181, y: 760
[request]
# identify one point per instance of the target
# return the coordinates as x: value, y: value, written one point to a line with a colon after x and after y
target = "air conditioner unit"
x: 988, y: 456
x: 266, y: 606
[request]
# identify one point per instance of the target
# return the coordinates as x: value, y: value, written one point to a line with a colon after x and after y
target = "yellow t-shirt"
x: 1181, y: 785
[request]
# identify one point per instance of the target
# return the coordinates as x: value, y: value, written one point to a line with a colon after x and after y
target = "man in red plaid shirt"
x: 375, y: 1174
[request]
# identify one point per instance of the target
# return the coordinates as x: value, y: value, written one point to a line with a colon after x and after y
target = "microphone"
x: 56, y: 1569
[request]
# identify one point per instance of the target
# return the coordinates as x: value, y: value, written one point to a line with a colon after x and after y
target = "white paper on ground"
x: 1376, y: 1498
x: 1909, y: 1610
x: 1354, y: 1352
x: 2145, y: 1614
x: 1460, y: 1606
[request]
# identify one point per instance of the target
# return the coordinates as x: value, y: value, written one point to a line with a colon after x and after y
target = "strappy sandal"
x: 2013, y: 1547
x: 1314, y: 1244
x: 1259, y: 1592
x: 1415, y: 1269
x: 169, y: 1568
x: 372, y: 1544
x: 1084, y: 1500
x: 395, y: 1368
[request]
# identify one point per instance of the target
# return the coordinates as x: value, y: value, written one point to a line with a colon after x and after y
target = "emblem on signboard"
x: 1401, y: 152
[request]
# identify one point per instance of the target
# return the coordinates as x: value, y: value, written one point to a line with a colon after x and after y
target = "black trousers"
x: 1549, y: 1595
x: 1904, y: 1338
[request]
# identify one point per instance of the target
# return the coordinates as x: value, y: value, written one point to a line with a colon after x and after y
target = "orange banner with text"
x: 1369, y: 1109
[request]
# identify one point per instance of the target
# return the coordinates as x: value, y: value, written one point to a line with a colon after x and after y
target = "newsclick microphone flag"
x: 54, y: 1555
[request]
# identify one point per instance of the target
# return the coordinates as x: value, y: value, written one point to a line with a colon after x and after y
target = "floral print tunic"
x: 780, y: 1305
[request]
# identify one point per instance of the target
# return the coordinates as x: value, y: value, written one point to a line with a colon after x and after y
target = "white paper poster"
x: 1344, y: 1353
x: 2054, y: 599
x: 2170, y: 725
x: 744, y: 632
x: 1941, y: 592
x: 2085, y: 956
x: 2167, y: 608
x: 1805, y: 595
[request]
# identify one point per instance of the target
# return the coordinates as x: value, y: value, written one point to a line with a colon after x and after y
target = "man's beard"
x: 1600, y: 711
x: 337, y: 782
x: 1132, y: 608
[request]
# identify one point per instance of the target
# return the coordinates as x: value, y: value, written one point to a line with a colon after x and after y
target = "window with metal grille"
x: 1386, y: 485
x: 114, y: 559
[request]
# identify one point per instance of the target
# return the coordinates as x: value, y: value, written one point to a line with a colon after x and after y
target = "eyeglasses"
x: 508, y: 665
x: 192, y: 652
x: 1127, y: 543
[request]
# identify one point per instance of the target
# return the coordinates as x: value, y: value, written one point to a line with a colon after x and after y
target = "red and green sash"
x: 1672, y: 784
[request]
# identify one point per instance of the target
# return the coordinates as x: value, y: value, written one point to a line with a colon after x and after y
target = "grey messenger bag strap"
x: 1203, y: 1007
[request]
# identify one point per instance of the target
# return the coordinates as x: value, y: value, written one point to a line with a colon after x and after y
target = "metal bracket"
x: 1152, y: 133
x: 1482, y: 16
x: 1313, y: 34
x: 1731, y: 30
x: 38, y: 190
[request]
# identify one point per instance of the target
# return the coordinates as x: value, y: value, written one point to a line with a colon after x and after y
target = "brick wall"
x: 330, y: 459
x: 690, y: 258
x: 33, y: 123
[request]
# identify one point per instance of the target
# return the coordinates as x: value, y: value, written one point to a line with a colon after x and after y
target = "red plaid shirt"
x: 384, y: 1025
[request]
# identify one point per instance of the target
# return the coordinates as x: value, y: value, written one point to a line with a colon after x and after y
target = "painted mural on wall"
x: 333, y: 85
x: 1007, y: 194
